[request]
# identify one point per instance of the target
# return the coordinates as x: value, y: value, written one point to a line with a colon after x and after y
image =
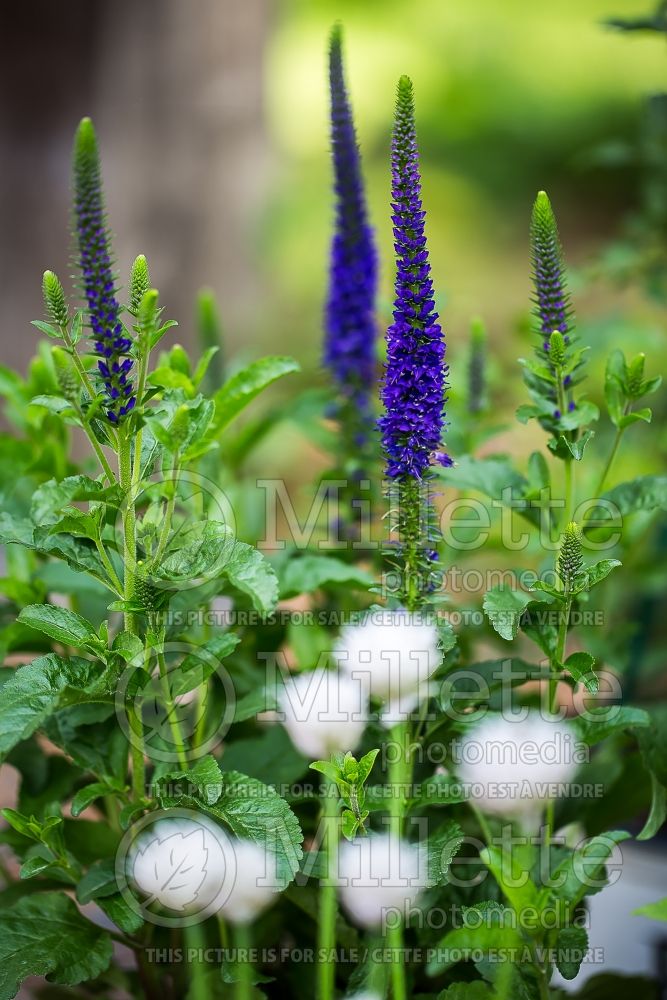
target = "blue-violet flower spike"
x: 110, y: 343
x: 414, y: 384
x: 349, y: 349
x: 553, y: 309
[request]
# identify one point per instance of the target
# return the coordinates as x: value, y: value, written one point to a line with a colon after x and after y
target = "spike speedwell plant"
x: 128, y: 700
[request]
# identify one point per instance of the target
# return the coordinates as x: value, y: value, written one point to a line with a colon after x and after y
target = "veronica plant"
x: 156, y: 699
x: 414, y: 383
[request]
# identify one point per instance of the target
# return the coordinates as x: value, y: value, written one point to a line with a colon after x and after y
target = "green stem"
x: 326, y: 931
x: 171, y: 712
x: 88, y: 386
x: 169, y: 514
x: 108, y: 565
x: 554, y: 673
x: 243, y: 942
x: 129, y: 563
x: 610, y: 460
x: 195, y: 939
x: 569, y: 491
x: 399, y: 776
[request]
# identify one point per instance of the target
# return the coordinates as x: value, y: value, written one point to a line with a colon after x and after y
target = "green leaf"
x: 580, y: 665
x: 504, y: 607
x: 442, y: 846
x: 490, y: 926
x: 592, y: 575
x: 205, y: 775
x: 242, y: 388
x: 60, y: 624
x: 39, y: 689
x: 644, y: 414
x: 643, y: 493
x: 45, y: 935
x: 575, y: 448
x: 99, y: 880
x: 46, y: 328
x: 494, y: 477
x: 656, y: 911
x: 475, y: 990
x: 599, y: 723
x: 86, y: 796
x: 210, y: 547
x: 50, y: 498
x: 658, y: 812
x: 255, y: 811
x: 582, y: 872
x: 309, y: 572
x: 571, y: 948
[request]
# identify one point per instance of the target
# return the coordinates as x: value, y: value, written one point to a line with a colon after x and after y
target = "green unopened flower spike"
x: 570, y: 558
x: 54, y: 299
x: 139, y: 283
x: 557, y: 349
x: 178, y: 428
x: 145, y: 591
x: 66, y: 374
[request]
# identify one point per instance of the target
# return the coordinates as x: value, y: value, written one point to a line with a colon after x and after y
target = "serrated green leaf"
x: 39, y: 689
x: 599, y: 723
x: 60, y: 624
x: 45, y: 935
x: 504, y: 606
x: 309, y: 572
x: 592, y: 575
x: 580, y: 665
x: 571, y: 948
x: 643, y: 493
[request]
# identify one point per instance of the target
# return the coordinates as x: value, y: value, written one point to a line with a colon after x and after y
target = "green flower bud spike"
x: 570, y: 558
x: 557, y: 349
x: 66, y: 374
x: 54, y: 299
x: 139, y: 283
x: 178, y: 428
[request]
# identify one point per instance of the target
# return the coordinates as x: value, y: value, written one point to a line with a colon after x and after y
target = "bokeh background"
x: 213, y: 121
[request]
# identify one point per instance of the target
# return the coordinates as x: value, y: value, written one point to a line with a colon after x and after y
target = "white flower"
x: 253, y: 887
x: 178, y: 863
x: 394, y: 653
x: 323, y: 711
x: 514, y: 766
x: 378, y: 876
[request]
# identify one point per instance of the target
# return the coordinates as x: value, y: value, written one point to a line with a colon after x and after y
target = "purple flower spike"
x: 110, y: 343
x: 349, y: 349
x: 414, y: 384
x: 553, y: 310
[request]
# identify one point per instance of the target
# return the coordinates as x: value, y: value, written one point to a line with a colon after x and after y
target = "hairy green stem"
x: 169, y: 513
x: 399, y: 777
x: 88, y: 386
x: 174, y: 725
x: 195, y: 941
x: 129, y: 564
x: 554, y: 673
x: 326, y: 930
x: 610, y: 461
x: 243, y: 944
x: 569, y: 491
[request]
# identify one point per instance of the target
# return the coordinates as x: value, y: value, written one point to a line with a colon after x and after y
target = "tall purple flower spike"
x: 349, y: 349
x: 414, y: 384
x: 110, y: 343
x: 552, y: 307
